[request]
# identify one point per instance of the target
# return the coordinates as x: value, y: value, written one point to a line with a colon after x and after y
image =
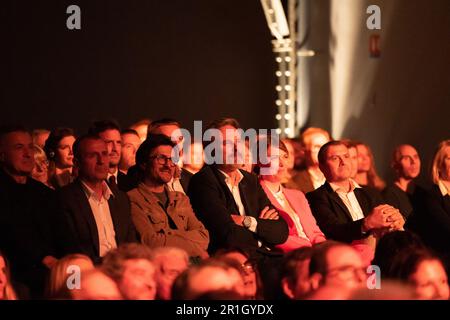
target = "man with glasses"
x: 164, y: 217
x: 334, y: 268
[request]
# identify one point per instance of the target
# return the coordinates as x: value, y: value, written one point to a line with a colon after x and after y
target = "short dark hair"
x: 219, y: 123
x: 103, y: 125
x: 291, y: 262
x: 318, y: 263
x: 76, y: 145
x: 407, y: 261
x: 129, y: 131
x: 391, y: 244
x: 7, y: 129
x: 161, y: 122
x: 322, y: 156
x: 56, y: 135
x: 152, y: 142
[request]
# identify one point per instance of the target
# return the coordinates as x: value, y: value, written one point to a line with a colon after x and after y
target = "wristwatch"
x: 247, y: 222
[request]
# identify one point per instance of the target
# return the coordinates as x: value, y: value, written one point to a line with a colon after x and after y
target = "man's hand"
x: 269, y: 214
x: 237, y: 219
x: 380, y: 217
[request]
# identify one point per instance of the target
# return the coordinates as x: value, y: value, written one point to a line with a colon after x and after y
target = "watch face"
x: 247, y: 222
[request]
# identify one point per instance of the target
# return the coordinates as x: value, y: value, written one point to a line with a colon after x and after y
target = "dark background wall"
x: 191, y: 60
x: 201, y: 59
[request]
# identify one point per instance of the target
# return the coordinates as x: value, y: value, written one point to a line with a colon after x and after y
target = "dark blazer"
x: 332, y: 215
x: 214, y: 204
x: 81, y: 233
x: 431, y: 220
x: 26, y: 229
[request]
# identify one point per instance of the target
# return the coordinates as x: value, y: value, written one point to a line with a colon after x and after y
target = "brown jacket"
x: 152, y: 222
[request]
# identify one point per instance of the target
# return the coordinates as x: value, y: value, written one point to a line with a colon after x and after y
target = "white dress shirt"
x: 234, y: 188
x: 102, y: 216
x: 317, y: 179
x: 349, y: 199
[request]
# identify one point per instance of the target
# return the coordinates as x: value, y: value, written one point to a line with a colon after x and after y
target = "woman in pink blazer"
x: 291, y: 204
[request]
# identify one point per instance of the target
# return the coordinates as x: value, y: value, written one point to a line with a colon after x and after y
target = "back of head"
x: 113, y: 262
x: 391, y: 244
x: 96, y: 285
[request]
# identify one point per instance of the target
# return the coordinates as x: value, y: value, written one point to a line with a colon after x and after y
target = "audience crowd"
x: 143, y: 213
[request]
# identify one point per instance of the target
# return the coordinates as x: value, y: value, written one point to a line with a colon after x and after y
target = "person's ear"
x: 285, y: 285
x: 316, y: 281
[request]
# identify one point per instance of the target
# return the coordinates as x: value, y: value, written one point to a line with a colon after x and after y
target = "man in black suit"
x: 26, y: 236
x: 344, y: 211
x: 234, y: 208
x: 109, y: 131
x: 96, y: 214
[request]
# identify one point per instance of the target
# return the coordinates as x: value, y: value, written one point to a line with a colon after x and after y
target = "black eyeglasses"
x: 162, y: 159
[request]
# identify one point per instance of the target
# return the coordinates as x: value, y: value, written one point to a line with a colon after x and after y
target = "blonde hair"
x: 373, y: 179
x: 8, y: 291
x: 58, y: 273
x: 438, y: 160
x: 306, y: 136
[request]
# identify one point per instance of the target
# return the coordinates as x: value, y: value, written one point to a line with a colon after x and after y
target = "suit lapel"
x: 243, y: 189
x: 115, y: 215
x: 86, y: 211
x: 362, y: 200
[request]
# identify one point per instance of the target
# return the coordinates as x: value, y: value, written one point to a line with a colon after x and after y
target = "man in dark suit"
x: 97, y: 214
x: 109, y: 131
x: 26, y: 236
x: 344, y: 211
x: 234, y: 208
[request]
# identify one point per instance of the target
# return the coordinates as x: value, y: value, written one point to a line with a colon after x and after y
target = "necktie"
x: 112, y: 181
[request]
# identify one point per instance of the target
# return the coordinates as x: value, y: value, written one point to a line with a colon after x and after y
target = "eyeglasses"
x: 162, y: 159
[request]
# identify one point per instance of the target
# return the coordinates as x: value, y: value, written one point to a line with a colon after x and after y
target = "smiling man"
x: 345, y: 211
x: 161, y: 216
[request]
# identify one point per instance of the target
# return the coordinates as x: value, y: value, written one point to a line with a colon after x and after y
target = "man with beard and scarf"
x: 161, y: 216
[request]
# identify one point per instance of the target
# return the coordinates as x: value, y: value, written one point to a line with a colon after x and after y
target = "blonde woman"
x: 432, y: 221
x: 40, y: 170
x: 6, y: 290
x: 367, y: 174
x: 61, y: 271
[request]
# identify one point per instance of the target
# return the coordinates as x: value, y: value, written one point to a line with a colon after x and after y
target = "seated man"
x: 98, y: 218
x: 130, y: 144
x: 335, y: 269
x: 406, y: 165
x: 311, y: 177
x: 169, y: 128
x: 344, y: 211
x: 26, y: 235
x: 233, y: 206
x: 161, y: 216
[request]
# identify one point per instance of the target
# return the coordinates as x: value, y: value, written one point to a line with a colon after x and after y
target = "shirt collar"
x: 443, y: 188
x: 353, y: 185
x: 115, y: 174
x: 107, y: 193
x: 229, y: 180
